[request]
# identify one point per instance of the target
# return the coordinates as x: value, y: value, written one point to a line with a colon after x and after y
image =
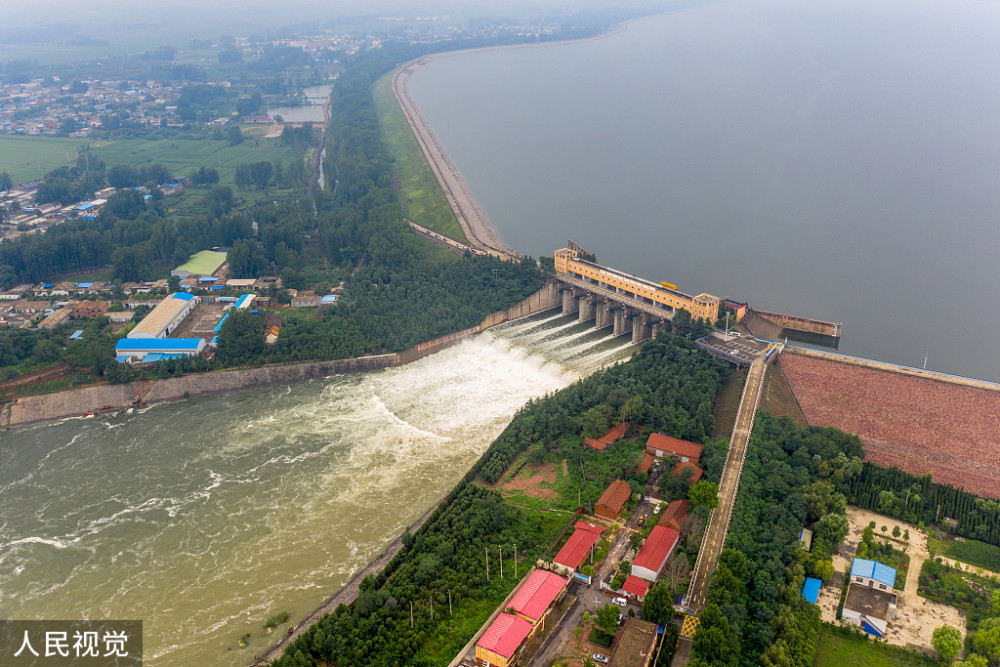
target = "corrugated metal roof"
x: 154, y: 324
x: 164, y: 345
x: 537, y: 593
x: 578, y: 545
x: 862, y: 567
x: 505, y: 635
x: 657, y: 548
x: 811, y: 589
x: 635, y: 586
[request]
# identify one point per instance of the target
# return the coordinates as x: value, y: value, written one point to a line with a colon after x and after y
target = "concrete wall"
x: 76, y: 402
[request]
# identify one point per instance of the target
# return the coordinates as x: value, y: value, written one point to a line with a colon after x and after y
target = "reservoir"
x: 205, y: 517
x: 839, y: 161
x: 311, y: 111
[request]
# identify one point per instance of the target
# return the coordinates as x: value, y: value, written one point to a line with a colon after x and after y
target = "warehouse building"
x: 574, y: 553
x: 502, y: 642
x: 655, y: 553
x: 538, y: 595
x: 660, y: 445
x: 150, y: 350
x: 166, y: 317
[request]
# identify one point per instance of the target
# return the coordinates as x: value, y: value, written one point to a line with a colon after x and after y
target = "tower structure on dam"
x: 642, y: 297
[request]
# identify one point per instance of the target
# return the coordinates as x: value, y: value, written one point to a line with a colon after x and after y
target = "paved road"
x: 718, y: 524
x: 589, y: 598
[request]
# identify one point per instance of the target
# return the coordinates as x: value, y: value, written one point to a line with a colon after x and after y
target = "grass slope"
x: 836, y: 650
x: 419, y: 193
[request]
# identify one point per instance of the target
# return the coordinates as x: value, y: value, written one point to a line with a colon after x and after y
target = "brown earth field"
x: 919, y: 425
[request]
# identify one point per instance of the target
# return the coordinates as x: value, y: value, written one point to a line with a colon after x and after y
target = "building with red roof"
x: 575, y: 551
x: 611, y: 502
x: 663, y: 445
x: 635, y: 587
x: 614, y: 434
x: 655, y: 553
x: 697, y: 472
x: 501, y: 644
x: 647, y: 463
x: 537, y: 595
x: 675, y: 513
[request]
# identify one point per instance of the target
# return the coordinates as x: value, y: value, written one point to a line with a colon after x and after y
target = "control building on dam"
x: 616, y: 298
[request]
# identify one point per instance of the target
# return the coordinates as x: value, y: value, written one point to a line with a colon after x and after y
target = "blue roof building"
x: 142, y: 350
x: 329, y: 298
x: 77, y: 335
x: 866, y: 572
x: 811, y: 589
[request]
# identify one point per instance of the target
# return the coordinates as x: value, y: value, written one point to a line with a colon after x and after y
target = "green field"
x: 30, y: 158
x: 184, y: 156
x: 27, y: 159
x: 204, y: 263
x: 836, y: 650
x: 419, y: 193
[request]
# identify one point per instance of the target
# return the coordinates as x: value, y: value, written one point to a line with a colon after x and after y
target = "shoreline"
x: 473, y: 220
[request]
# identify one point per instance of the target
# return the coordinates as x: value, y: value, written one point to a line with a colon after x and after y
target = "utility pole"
x: 432, y: 608
x: 449, y: 602
x: 411, y: 613
x: 515, y: 560
x: 501, y: 562
x: 487, y: 563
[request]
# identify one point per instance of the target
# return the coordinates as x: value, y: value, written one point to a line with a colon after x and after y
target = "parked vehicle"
x: 600, y: 657
x: 621, y: 602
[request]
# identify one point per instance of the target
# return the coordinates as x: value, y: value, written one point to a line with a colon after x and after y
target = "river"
x: 835, y: 160
x: 205, y: 517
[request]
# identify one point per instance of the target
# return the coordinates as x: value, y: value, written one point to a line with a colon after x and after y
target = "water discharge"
x: 203, y: 518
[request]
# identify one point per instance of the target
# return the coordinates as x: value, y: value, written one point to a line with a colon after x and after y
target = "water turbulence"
x: 205, y: 517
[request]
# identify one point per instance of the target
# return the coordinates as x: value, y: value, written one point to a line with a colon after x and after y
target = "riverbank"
x: 473, y: 220
x: 105, y: 398
x: 347, y: 594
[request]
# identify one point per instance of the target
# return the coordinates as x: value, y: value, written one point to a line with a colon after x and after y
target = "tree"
x: 233, y: 135
x: 705, y: 494
x: 658, y: 605
x: 833, y: 528
x: 241, y: 338
x: 947, y: 641
x: 173, y: 284
x: 987, y: 639
x: 607, y: 618
x: 972, y: 660
x: 896, y: 532
x: 6, y: 183
x: 677, y: 572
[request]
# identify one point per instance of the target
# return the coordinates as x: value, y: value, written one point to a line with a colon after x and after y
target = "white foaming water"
x: 203, y: 518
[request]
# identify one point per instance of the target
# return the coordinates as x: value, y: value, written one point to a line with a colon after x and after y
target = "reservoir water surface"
x: 831, y: 160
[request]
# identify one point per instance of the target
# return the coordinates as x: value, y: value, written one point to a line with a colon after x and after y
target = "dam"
x: 642, y: 307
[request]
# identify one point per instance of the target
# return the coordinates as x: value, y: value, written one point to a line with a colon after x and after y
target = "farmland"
x: 919, y: 425
x: 30, y: 158
x: 27, y: 159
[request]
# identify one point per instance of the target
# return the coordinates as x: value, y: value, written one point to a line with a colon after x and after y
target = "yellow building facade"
x: 568, y: 263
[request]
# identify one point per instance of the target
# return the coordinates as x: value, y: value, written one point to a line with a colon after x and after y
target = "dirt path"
x: 916, y: 617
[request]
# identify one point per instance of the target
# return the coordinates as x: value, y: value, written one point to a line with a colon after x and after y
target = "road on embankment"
x: 718, y: 524
x: 471, y: 217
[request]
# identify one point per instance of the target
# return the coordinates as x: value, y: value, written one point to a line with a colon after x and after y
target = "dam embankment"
x: 77, y: 402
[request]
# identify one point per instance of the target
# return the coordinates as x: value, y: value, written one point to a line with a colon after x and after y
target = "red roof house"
x: 663, y: 445
x: 537, y: 594
x: 611, y: 502
x: 614, y: 434
x: 675, y: 513
x: 635, y: 587
x: 502, y: 639
x: 578, y: 545
x: 698, y: 472
x: 655, y: 553
x: 647, y: 463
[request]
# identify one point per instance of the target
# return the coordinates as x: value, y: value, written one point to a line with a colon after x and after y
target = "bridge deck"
x: 649, y: 308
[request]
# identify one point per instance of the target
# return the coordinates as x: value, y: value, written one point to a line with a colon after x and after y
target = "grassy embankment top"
x: 420, y: 196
